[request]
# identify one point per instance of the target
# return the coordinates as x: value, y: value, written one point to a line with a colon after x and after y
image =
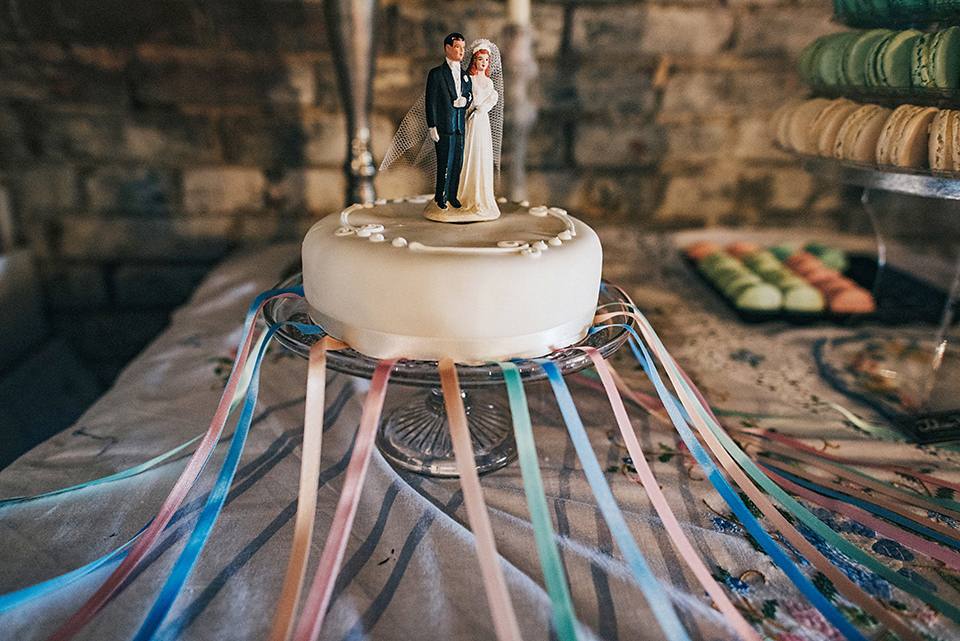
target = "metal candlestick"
x: 350, y: 27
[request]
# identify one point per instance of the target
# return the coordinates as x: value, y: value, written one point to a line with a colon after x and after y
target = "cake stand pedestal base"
x: 416, y: 436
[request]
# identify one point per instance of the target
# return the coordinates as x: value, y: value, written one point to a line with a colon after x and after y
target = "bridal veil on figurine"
x: 455, y: 131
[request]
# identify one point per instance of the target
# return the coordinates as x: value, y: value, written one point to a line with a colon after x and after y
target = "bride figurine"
x: 483, y: 137
x: 479, y: 157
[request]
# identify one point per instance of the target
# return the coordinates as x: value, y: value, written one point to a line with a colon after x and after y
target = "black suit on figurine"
x: 450, y: 122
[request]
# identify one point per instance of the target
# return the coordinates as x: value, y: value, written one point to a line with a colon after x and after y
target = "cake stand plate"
x: 414, y: 435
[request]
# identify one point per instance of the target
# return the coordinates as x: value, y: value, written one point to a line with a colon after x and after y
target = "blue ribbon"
x: 20, y: 597
x: 218, y: 496
x: 876, y: 510
x: 741, y: 511
x: 662, y: 609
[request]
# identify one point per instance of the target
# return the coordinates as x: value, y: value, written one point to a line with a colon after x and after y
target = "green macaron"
x: 831, y: 59
x: 893, y: 59
x: 762, y: 297
x: 945, y: 57
x: 862, y: 50
x: 921, y: 65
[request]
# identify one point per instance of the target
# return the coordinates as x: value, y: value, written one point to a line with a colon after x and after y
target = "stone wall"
x: 141, y: 140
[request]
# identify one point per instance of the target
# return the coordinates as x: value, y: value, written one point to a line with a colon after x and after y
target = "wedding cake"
x: 391, y: 283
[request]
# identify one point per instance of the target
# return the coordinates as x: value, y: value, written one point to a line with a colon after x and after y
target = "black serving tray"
x: 901, y: 298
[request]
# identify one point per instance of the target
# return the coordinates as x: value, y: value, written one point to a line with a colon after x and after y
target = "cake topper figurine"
x: 461, y: 112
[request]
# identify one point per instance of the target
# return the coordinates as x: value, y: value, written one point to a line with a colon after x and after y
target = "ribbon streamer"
x: 498, y: 597
x: 211, y: 510
x: 861, y: 479
x: 564, y: 618
x: 307, y: 495
x: 182, y: 486
x: 912, y: 541
x: 660, y: 504
x: 897, y: 469
x: 662, y: 609
x: 743, y: 513
x: 873, y: 505
x: 315, y: 608
x: 146, y: 465
x: 727, y: 451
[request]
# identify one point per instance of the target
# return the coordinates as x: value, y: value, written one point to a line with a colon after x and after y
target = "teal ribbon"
x: 563, y: 616
x: 729, y: 495
x: 797, y: 510
x: 662, y: 609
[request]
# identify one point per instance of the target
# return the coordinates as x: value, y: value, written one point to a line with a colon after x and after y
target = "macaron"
x: 803, y: 298
x: 852, y: 301
x: 741, y: 248
x: 783, y: 252
x: 821, y: 276
x: 858, y: 135
x: 892, y: 130
x: 826, y: 125
x: 921, y: 65
x: 911, y: 147
x: 716, y: 260
x: 803, y: 262
x: 863, y: 49
x: 780, y: 122
x: 940, y: 144
x: 733, y: 288
x: 833, y: 56
x: 831, y: 257
x: 761, y: 260
x: 808, y: 61
x: 945, y: 58
x: 698, y: 250
x: 798, y: 129
x: 760, y: 297
x: 893, y: 60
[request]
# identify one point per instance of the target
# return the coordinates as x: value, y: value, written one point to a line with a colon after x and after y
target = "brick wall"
x: 142, y: 140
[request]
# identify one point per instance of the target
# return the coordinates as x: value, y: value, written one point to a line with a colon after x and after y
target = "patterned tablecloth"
x: 410, y: 571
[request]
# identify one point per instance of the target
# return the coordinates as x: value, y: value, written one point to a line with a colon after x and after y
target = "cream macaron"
x: 826, y: 125
x: 858, y: 135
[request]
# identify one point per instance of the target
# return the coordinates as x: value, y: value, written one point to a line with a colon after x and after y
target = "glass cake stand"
x: 414, y: 435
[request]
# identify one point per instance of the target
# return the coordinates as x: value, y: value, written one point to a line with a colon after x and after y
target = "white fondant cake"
x: 389, y: 282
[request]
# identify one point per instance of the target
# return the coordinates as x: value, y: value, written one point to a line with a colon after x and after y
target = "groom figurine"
x: 449, y: 94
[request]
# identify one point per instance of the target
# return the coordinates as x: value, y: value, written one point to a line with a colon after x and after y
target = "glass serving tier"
x: 927, y: 183
x: 414, y: 434
x: 909, y: 377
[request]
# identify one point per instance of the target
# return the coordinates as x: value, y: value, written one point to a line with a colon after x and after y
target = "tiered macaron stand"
x: 935, y: 410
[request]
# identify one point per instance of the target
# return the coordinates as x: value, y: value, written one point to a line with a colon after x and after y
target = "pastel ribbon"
x: 844, y: 507
x: 941, y: 506
x: 563, y: 615
x: 315, y: 608
x: 662, y: 609
x: 660, y: 504
x: 146, y: 465
x: 897, y: 469
x: 211, y: 510
x: 730, y: 496
x: 727, y: 451
x: 874, y: 505
x: 181, y: 487
x: 498, y: 597
x: 307, y: 495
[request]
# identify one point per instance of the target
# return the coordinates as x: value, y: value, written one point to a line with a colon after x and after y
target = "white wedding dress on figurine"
x: 477, y: 176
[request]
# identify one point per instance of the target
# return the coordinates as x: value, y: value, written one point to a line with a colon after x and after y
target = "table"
x: 410, y: 570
